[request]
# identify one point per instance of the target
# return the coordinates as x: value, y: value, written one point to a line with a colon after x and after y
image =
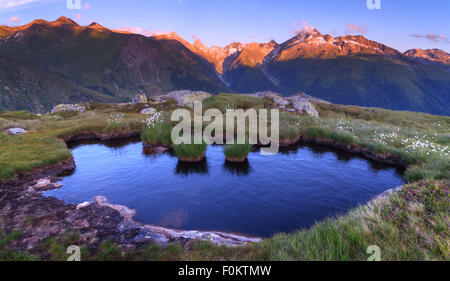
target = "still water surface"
x: 264, y: 196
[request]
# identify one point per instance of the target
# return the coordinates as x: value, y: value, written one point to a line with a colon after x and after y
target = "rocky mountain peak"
x: 97, y: 27
x: 435, y: 55
x: 65, y: 21
x: 199, y: 44
x: 313, y: 44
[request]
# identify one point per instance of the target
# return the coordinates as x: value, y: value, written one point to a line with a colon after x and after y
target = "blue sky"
x: 402, y: 24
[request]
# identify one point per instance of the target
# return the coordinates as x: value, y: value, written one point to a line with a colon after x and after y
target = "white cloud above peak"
x: 20, y: 4
x: 14, y: 19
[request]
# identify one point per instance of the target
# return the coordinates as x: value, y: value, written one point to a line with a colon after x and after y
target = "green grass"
x: 321, y: 133
x: 32, y: 150
x: 18, y: 115
x: 229, y: 101
x: 160, y: 134
x: 237, y: 151
x: 190, y: 152
x: 66, y: 114
x: 43, y: 145
x: 288, y: 130
x: 8, y: 254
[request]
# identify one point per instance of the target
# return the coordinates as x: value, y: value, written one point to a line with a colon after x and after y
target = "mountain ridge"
x: 117, y: 64
x: 348, y: 69
x: 309, y: 38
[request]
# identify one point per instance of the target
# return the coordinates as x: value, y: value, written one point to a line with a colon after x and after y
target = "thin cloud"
x: 135, y: 30
x: 436, y: 38
x: 14, y: 19
x: 20, y: 4
x: 129, y: 29
x: 161, y: 32
x: 305, y: 28
x: 356, y: 29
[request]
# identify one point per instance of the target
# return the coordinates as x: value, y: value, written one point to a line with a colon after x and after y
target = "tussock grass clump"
x: 190, y: 152
x: 237, y: 152
x: 158, y: 135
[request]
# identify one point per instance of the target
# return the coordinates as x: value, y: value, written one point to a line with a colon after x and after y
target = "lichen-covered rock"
x: 185, y: 97
x: 139, y: 98
x: 277, y: 98
x: 300, y: 96
x: 16, y: 131
x: 45, y: 184
x: 69, y: 108
x: 306, y: 107
x: 303, y: 104
x: 42, y: 183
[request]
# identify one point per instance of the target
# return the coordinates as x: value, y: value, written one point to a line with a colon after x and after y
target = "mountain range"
x: 45, y: 63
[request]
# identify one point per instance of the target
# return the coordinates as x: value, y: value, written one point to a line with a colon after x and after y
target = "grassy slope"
x: 26, y: 88
x: 118, y: 65
x: 371, y: 81
x: 247, y: 79
x: 413, y: 225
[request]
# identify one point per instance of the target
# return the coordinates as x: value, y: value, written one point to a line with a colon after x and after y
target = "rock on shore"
x: 69, y: 108
x: 300, y: 102
x: 185, y: 97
